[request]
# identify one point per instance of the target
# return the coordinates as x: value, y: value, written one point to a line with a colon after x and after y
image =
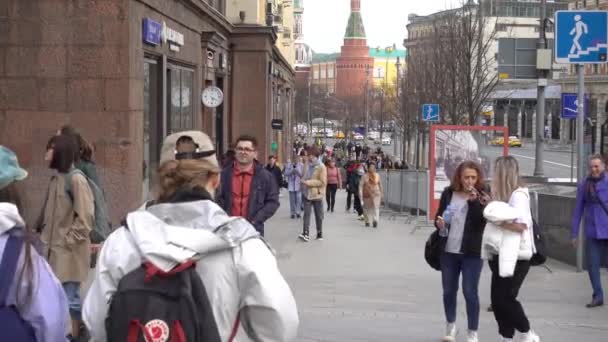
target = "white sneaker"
x: 472, y: 336
x: 530, y: 336
x: 450, y: 333
x: 504, y: 339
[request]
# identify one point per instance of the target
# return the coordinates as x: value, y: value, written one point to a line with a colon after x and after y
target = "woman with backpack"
x: 36, y: 309
x: 460, y: 221
x: 370, y: 190
x: 185, y: 235
x: 509, y: 314
x: 66, y: 223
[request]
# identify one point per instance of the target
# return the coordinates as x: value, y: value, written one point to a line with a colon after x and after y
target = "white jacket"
x: 238, y: 269
x: 510, y: 246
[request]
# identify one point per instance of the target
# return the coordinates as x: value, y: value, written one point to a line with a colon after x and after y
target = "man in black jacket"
x: 275, y: 170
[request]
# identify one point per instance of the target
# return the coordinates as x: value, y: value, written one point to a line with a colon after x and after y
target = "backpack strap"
x: 134, y: 327
x: 235, y: 327
x: 12, y: 250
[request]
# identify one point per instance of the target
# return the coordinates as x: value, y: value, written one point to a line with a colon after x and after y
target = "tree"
x: 452, y: 63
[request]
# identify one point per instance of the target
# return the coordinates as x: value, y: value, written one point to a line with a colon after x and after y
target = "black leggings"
x: 508, y: 311
x: 330, y: 196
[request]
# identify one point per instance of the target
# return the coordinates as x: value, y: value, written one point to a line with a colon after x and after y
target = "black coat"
x: 473, y: 226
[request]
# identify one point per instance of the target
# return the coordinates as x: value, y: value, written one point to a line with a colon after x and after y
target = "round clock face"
x: 212, y: 97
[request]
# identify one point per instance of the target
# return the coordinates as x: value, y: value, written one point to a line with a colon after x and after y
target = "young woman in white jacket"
x: 239, y: 271
x: 508, y: 311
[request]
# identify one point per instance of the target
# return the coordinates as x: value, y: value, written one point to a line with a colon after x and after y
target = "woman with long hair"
x: 247, y: 293
x: 68, y: 218
x: 39, y: 298
x: 83, y: 157
x: 370, y: 190
x: 460, y: 220
x: 508, y: 187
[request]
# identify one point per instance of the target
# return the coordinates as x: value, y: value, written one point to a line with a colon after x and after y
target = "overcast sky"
x: 325, y: 20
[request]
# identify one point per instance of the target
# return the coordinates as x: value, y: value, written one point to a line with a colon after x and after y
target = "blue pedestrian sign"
x: 570, y: 106
x: 581, y: 37
x: 430, y: 112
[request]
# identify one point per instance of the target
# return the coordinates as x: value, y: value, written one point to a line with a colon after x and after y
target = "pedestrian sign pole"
x: 581, y: 37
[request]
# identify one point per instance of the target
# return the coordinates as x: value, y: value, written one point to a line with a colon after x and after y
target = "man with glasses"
x: 247, y: 189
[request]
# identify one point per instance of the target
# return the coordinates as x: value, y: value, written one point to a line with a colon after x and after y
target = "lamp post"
x: 398, y: 95
x: 366, y: 99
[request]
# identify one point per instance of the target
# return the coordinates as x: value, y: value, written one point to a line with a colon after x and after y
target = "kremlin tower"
x: 354, y: 62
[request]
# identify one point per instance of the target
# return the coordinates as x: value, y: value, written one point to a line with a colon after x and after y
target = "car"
x: 386, y: 141
x: 358, y: 137
x: 340, y: 135
x: 514, y: 141
x: 499, y: 141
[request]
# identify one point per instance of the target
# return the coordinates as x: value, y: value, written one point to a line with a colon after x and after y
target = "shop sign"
x: 277, y: 124
x: 151, y: 31
x: 173, y: 37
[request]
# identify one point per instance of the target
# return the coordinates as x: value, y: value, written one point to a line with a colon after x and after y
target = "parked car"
x: 514, y: 141
x: 386, y: 141
x: 358, y: 137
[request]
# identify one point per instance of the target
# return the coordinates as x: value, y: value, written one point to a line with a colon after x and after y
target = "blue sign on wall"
x: 570, y: 106
x: 581, y: 36
x: 151, y: 31
x: 430, y: 112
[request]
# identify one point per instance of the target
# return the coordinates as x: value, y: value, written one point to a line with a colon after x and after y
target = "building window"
x: 180, y: 99
x: 316, y: 75
x: 595, y: 69
x: 330, y: 73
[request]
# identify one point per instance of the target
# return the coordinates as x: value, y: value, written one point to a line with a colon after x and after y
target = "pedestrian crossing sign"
x: 581, y: 37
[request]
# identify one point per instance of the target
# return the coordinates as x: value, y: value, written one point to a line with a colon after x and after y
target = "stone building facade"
x: 126, y: 73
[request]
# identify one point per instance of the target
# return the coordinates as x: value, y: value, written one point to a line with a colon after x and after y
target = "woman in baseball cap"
x: 247, y: 294
x: 41, y: 303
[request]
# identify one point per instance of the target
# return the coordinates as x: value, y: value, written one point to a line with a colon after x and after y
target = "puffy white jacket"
x: 510, y: 246
x: 238, y: 269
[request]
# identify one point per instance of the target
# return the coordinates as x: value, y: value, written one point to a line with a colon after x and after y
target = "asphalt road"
x: 555, y: 164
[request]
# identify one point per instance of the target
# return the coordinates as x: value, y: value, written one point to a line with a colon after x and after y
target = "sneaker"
x: 472, y: 336
x: 530, y: 336
x: 361, y: 218
x: 298, y: 216
x: 450, y: 333
x: 319, y: 237
x: 304, y: 237
x: 595, y: 303
x: 375, y: 224
x: 367, y: 224
x: 293, y: 216
x: 505, y: 339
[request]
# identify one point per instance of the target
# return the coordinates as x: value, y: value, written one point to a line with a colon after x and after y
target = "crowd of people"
x: 204, y: 231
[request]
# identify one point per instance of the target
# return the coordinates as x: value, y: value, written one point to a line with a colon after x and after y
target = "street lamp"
x: 366, y: 99
x: 398, y: 66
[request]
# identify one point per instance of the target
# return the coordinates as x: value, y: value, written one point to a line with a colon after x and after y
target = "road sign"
x: 430, y: 112
x: 570, y: 106
x: 581, y: 37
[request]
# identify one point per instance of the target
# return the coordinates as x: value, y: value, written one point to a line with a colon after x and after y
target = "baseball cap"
x: 204, y: 149
x: 10, y: 171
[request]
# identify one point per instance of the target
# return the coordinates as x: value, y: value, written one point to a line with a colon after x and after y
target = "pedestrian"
x: 370, y: 190
x: 508, y: 311
x: 334, y: 182
x: 294, y: 173
x: 83, y: 159
x: 275, y: 170
x: 247, y: 189
x: 39, y: 299
x: 350, y: 167
x: 229, y: 158
x: 246, y: 294
x: 354, y: 183
x: 314, y: 184
x: 592, y: 200
x: 460, y: 219
x: 67, y: 223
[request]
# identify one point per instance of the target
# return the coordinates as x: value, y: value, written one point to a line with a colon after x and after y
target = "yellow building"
x: 385, y: 65
x: 277, y: 13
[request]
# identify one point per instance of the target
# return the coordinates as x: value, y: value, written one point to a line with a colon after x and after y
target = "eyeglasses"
x: 245, y: 149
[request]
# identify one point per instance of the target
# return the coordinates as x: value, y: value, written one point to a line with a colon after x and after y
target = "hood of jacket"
x: 9, y: 217
x: 189, y: 226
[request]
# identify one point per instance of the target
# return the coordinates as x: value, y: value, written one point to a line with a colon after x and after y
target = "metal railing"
x: 405, y: 194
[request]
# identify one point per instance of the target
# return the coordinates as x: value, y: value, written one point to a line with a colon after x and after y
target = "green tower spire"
x: 355, y: 28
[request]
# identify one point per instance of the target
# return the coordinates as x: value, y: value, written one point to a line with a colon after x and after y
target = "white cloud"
x: 385, y: 20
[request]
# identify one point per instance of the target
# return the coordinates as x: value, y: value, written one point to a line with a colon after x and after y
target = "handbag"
x: 434, y: 247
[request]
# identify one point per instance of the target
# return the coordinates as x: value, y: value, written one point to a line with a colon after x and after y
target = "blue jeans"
x: 452, y: 265
x: 596, y: 252
x: 295, y: 202
x: 72, y: 291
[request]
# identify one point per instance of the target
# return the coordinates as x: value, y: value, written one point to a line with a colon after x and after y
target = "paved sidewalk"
x: 361, y: 284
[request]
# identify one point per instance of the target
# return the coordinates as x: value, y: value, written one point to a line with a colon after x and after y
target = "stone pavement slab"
x: 361, y: 284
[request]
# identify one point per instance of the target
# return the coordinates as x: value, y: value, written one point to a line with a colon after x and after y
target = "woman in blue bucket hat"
x: 33, y: 305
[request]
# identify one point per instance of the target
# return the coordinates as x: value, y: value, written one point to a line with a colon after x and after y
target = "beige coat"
x: 374, y: 200
x: 66, y: 228
x: 316, y: 184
